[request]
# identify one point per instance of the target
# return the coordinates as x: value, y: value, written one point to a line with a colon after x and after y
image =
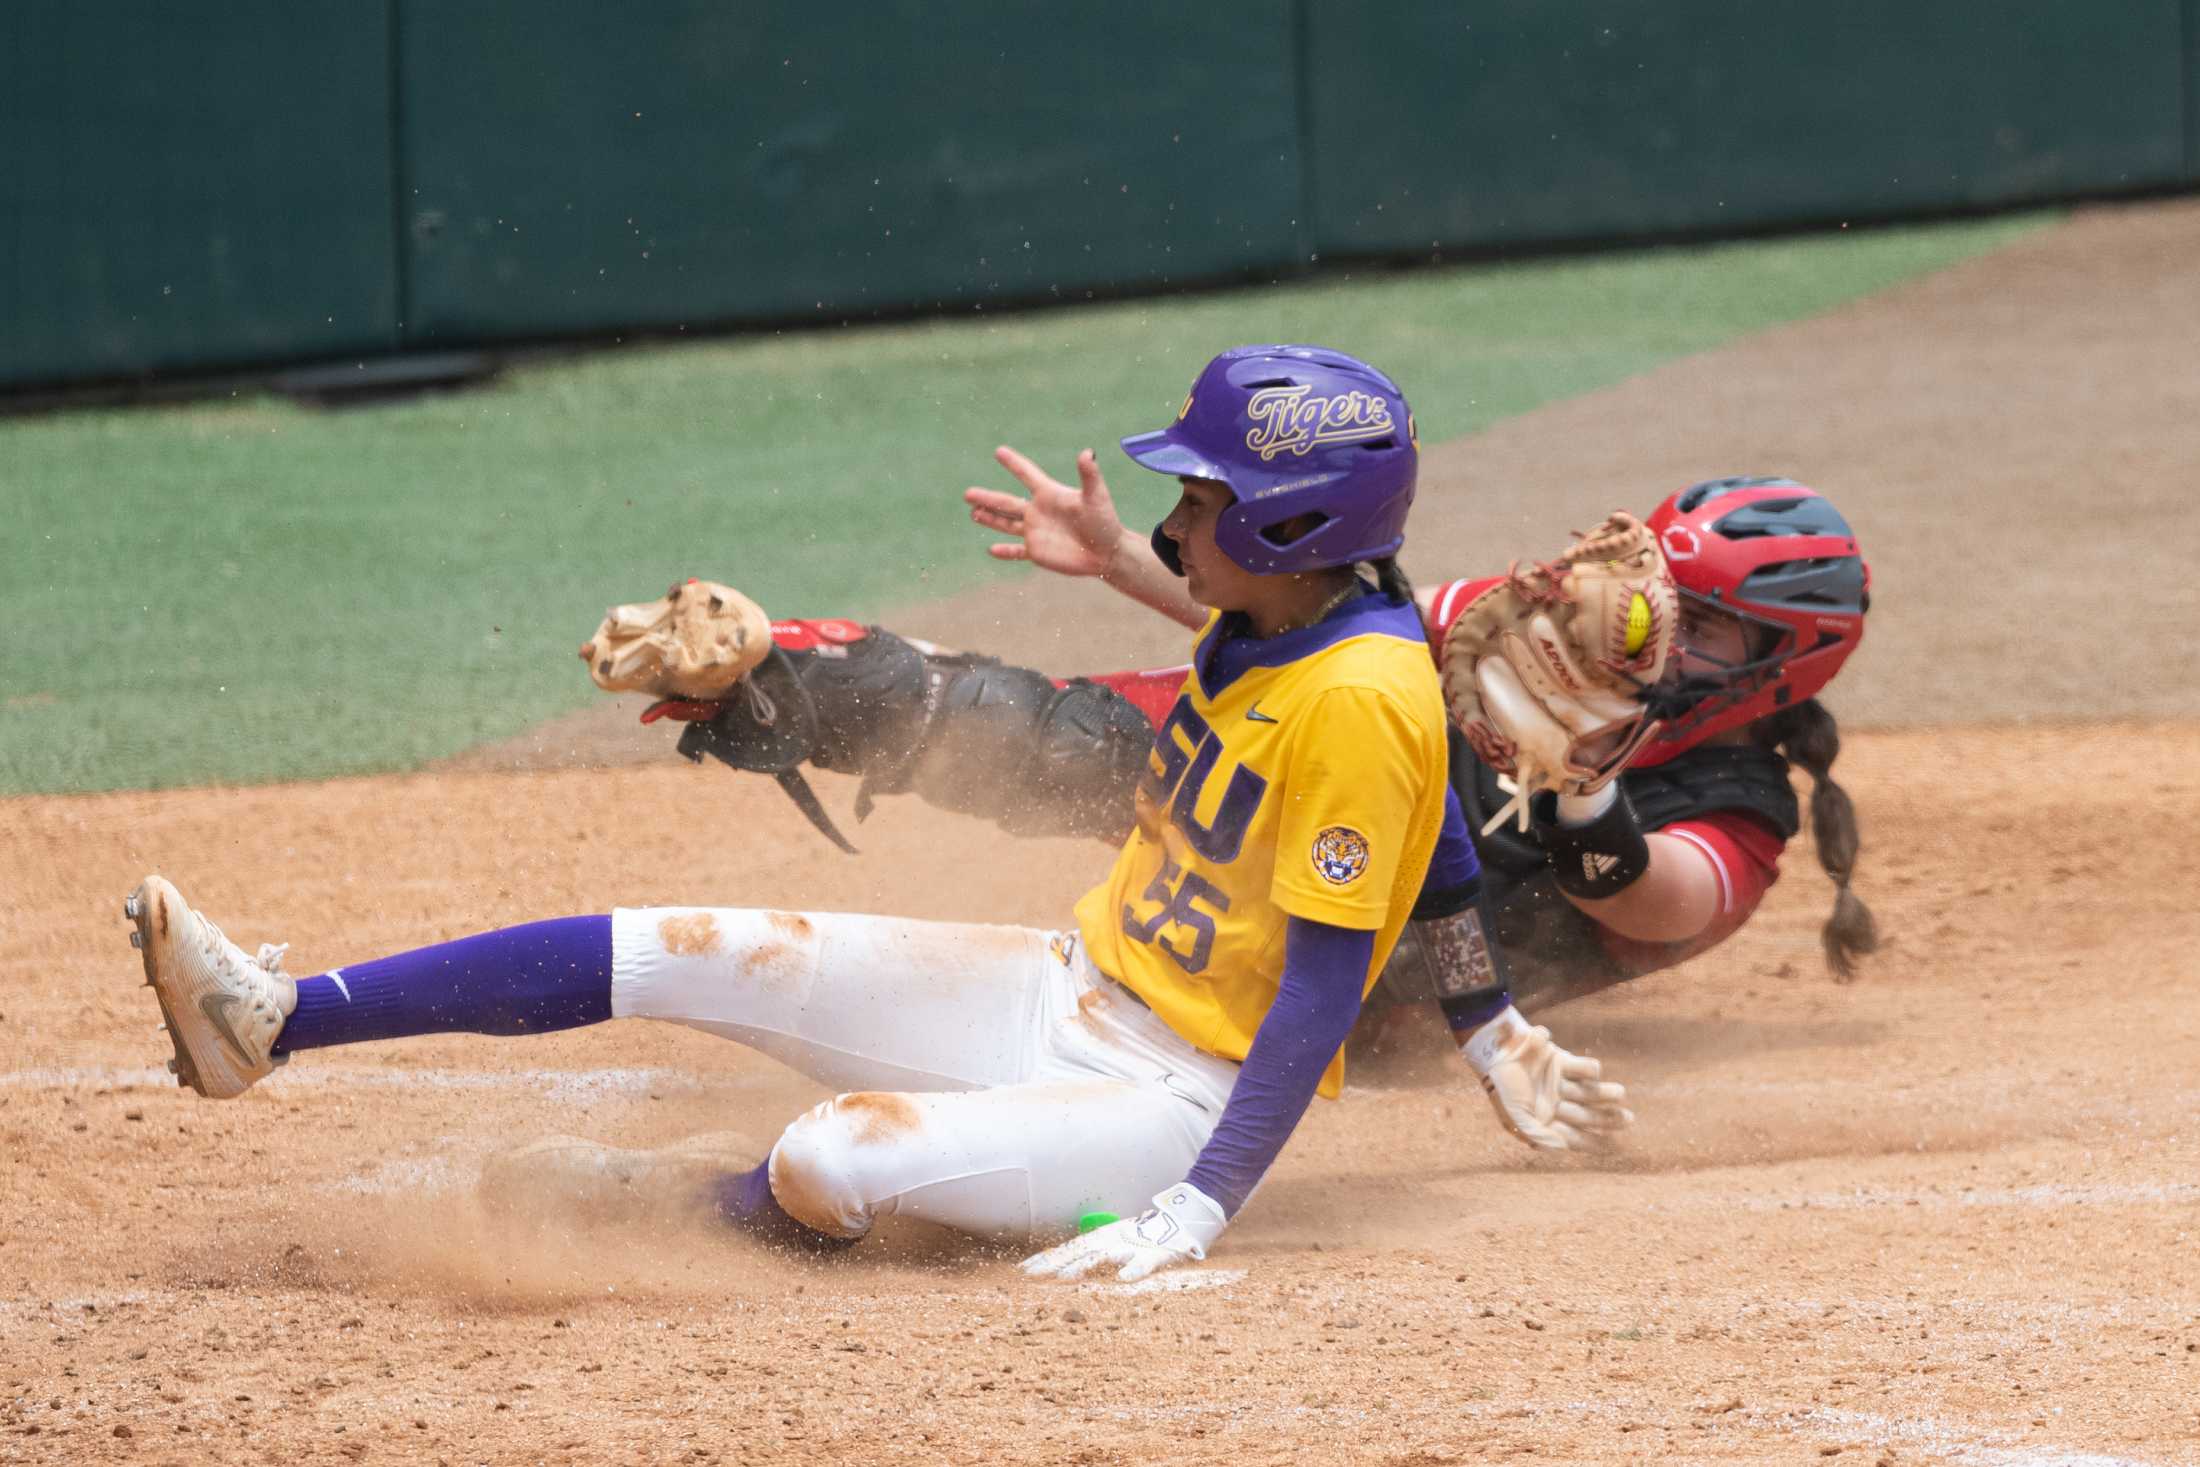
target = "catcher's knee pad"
x: 817, y: 1171
x: 1092, y: 748
x: 1008, y: 745
x: 983, y: 730
x: 870, y: 702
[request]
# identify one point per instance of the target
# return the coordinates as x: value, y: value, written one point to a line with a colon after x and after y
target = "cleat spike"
x: 137, y: 940
x: 131, y: 906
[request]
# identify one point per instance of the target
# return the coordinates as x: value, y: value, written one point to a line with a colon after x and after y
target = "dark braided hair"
x: 1804, y: 733
x: 1391, y: 581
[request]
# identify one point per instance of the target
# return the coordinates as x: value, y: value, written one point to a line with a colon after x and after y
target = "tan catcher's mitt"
x: 694, y: 642
x: 1545, y: 672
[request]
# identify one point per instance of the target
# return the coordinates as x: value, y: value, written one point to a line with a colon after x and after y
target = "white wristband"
x: 1484, y: 1046
x: 1584, y: 809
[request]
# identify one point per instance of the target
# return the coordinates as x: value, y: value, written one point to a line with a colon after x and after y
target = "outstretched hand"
x: 1546, y: 1097
x: 1072, y: 531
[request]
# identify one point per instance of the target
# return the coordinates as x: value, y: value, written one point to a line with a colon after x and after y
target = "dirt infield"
x: 1944, y: 1214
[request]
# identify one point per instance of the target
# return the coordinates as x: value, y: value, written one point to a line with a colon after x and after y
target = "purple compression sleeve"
x: 1455, y: 863
x: 520, y: 980
x: 1324, y: 974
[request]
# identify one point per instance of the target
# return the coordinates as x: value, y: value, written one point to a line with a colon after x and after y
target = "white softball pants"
x: 991, y: 1079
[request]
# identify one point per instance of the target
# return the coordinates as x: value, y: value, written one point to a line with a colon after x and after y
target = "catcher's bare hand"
x: 1549, y: 1099
x: 1072, y: 531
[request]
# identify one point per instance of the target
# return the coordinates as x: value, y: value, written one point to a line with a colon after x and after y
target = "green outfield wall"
x: 191, y: 188
x: 192, y: 185
x: 2190, y: 61
x: 694, y: 161
x: 1531, y: 121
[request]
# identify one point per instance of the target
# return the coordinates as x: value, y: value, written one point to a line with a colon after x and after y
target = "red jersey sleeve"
x: 1150, y: 692
x: 1448, y: 601
x: 1745, y: 856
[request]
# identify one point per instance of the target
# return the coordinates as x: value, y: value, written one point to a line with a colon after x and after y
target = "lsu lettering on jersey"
x: 1310, y: 784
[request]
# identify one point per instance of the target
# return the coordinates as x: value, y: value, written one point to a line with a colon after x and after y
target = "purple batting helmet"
x: 1294, y: 430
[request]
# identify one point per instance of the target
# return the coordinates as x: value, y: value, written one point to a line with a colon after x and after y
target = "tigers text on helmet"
x: 1779, y: 559
x: 1293, y: 431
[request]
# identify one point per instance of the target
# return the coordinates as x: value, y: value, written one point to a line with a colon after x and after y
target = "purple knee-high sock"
x: 520, y: 980
x: 745, y: 1199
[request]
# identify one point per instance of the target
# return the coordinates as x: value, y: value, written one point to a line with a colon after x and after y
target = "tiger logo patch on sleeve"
x: 1340, y: 855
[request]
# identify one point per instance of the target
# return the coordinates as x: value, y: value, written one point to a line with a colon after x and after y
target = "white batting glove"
x: 1552, y: 1100
x: 1182, y: 1223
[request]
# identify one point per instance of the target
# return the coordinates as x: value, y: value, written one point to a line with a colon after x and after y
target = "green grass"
x: 251, y: 590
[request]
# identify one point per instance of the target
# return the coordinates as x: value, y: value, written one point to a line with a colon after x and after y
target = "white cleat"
x: 562, y: 1180
x: 223, y: 1009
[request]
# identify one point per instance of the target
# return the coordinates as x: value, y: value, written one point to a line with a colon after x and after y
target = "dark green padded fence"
x: 192, y: 185
x: 1514, y: 121
x: 696, y: 161
x: 2192, y: 91
x: 186, y: 187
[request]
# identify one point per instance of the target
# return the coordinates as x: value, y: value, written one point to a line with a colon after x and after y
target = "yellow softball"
x: 1638, y: 622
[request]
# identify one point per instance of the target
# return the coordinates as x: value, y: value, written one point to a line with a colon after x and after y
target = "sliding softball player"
x: 1290, y: 816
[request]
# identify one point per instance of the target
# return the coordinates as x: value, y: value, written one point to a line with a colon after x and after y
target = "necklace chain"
x: 1344, y: 594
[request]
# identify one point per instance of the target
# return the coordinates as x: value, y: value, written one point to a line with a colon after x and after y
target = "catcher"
x: 1608, y: 879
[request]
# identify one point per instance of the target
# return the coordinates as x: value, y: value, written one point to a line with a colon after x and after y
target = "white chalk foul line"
x: 573, y: 1087
x: 1969, y: 1446
x: 2051, y: 1194
x: 423, y: 1175
x: 92, y: 1302
x: 1175, y: 1281
x: 1936, y: 1440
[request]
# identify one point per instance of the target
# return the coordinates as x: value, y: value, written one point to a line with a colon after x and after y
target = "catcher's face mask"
x: 1721, y: 655
x: 1718, y: 642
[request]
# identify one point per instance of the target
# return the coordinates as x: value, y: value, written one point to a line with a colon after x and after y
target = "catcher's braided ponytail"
x: 1805, y: 734
x: 1391, y: 581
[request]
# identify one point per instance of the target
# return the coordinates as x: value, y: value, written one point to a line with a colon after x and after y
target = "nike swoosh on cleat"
x: 216, y: 1007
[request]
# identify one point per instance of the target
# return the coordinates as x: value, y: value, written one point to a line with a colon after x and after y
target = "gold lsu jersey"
x: 1309, y: 785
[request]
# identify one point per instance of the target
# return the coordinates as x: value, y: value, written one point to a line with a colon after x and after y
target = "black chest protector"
x: 1554, y: 949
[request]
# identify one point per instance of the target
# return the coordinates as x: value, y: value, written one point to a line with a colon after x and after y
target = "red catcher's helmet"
x: 1778, y: 558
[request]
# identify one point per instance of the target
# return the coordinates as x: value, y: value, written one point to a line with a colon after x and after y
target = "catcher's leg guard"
x: 1008, y: 745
